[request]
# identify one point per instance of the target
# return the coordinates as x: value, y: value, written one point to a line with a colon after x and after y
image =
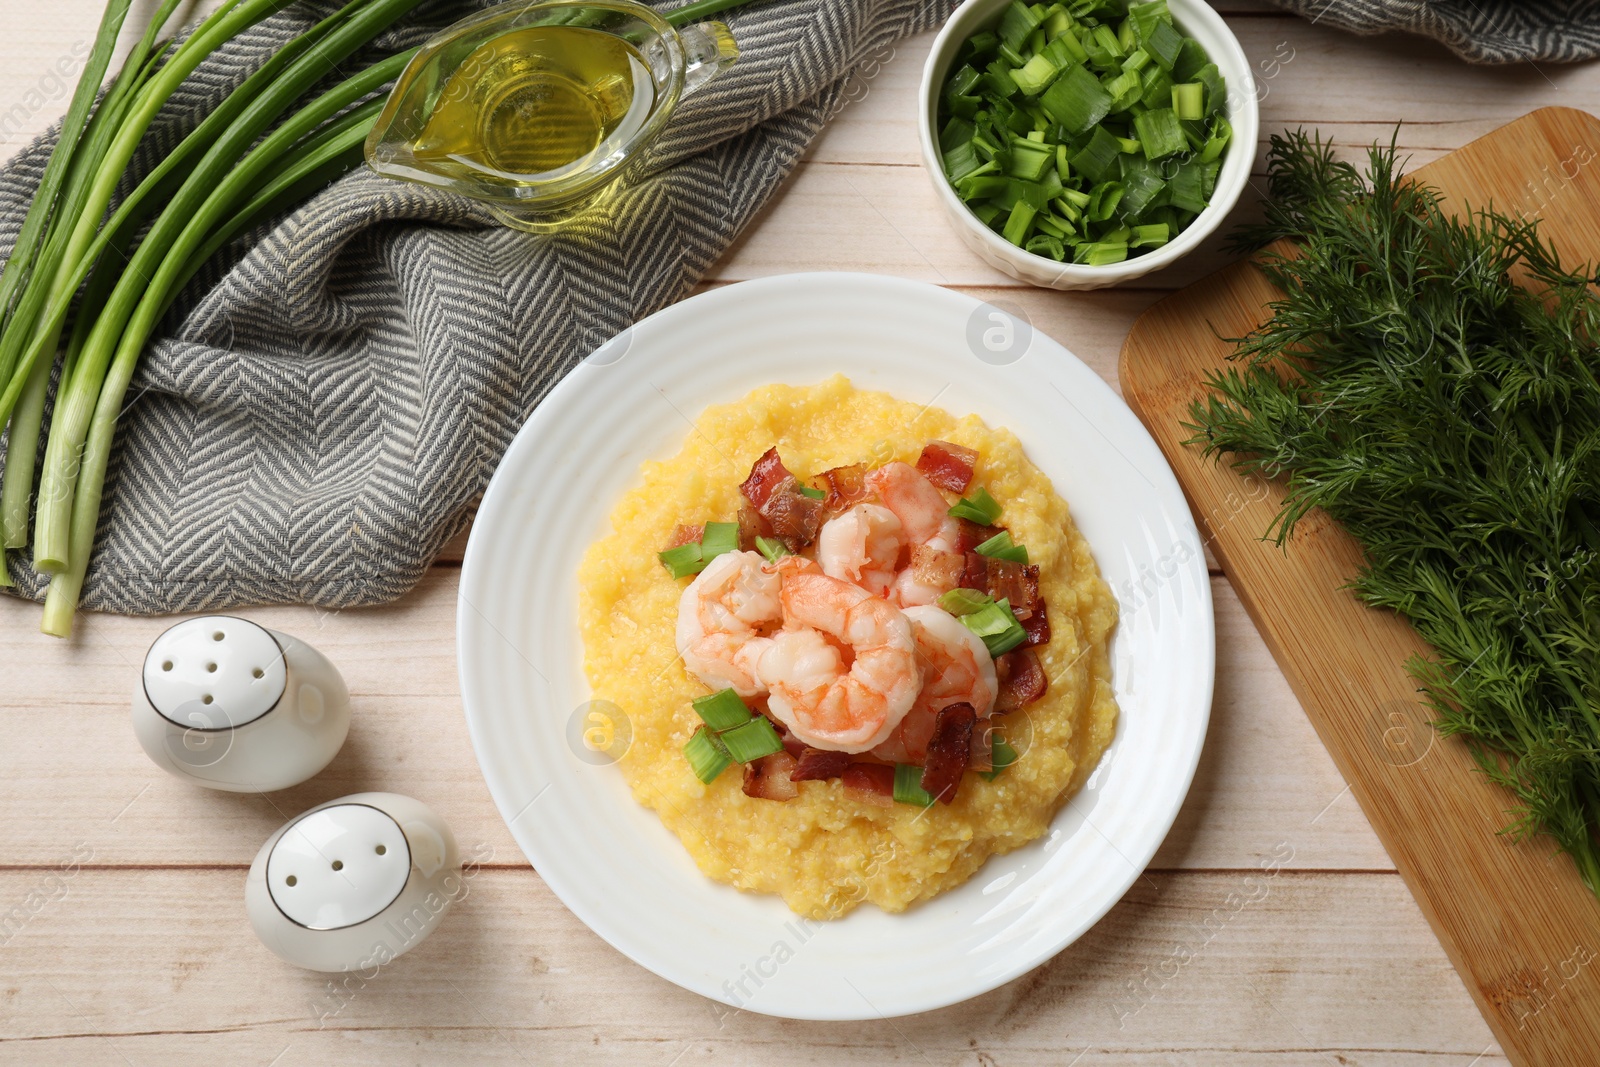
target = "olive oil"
x: 534, y: 105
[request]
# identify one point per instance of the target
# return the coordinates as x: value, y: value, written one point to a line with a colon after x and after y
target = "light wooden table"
x: 123, y: 938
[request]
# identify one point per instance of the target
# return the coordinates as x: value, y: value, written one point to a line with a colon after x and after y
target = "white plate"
x: 520, y: 654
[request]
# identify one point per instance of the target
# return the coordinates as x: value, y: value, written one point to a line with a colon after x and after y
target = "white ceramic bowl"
x: 1196, y: 19
x: 527, y: 702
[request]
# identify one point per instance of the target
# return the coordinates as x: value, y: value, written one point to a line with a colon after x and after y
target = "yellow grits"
x: 827, y: 851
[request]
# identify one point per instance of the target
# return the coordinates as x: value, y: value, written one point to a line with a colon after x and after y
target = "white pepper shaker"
x: 228, y: 704
x: 354, y: 883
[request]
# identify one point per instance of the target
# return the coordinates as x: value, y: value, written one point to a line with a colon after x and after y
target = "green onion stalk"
x: 41, y: 244
x: 202, y: 194
x: 228, y: 175
x: 137, y: 308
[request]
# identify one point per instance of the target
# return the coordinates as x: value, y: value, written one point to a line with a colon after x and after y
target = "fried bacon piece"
x: 776, y: 494
x: 936, y: 568
x: 973, y: 534
x: 768, y: 777
x: 1037, y: 627
x: 816, y: 764
x: 766, y: 474
x: 684, y: 535
x: 846, y: 487
x: 871, y: 782
x: 1016, y: 582
x: 1021, y: 677
x: 949, y: 751
x: 975, y: 572
x: 947, y: 465
x: 795, y: 517
x: 981, y: 757
x: 752, y: 524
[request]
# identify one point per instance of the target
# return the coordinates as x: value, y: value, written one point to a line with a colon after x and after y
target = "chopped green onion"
x: 1163, y: 43
x: 961, y: 82
x: 1157, y: 88
x: 959, y: 602
x: 753, y: 740
x: 1057, y: 22
x: 814, y: 494
x: 1035, y: 74
x: 1108, y: 41
x: 1125, y: 90
x: 1185, y: 190
x: 1189, y: 100
x: 772, y: 548
x: 706, y: 755
x: 908, y: 786
x: 1000, y: 546
x: 1001, y: 755
x: 1076, y: 198
x: 1191, y: 57
x: 683, y: 560
x: 1221, y: 133
x: 1018, y: 21
x: 1020, y: 222
x: 1141, y: 185
x: 722, y: 710
x: 1099, y: 157
x: 1028, y: 160
x: 980, y: 508
x: 961, y: 160
x: 1045, y: 244
x: 1216, y: 89
x: 1076, y: 100
x: 1152, y: 235
x: 1000, y: 630
x: 719, y: 537
x: 1100, y: 253
x: 1066, y: 49
x: 1159, y: 132
x: 1103, y: 203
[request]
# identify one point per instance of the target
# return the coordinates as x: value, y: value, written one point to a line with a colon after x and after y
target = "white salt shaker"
x: 353, y: 883
x: 231, y: 705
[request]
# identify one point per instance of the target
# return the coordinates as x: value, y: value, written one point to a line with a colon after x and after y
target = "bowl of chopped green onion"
x: 1085, y: 143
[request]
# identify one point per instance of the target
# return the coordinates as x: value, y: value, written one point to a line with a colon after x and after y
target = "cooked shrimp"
x: 956, y: 668
x: 924, y: 515
x: 862, y: 545
x: 917, y: 503
x: 823, y: 700
x: 723, y: 618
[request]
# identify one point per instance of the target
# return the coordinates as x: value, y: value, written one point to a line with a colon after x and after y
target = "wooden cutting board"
x: 1516, y: 921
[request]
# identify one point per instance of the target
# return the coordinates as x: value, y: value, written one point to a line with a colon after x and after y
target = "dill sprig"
x: 1429, y: 380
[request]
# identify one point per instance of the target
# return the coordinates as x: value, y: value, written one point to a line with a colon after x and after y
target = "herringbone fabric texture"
x: 1480, y: 31
x: 318, y: 421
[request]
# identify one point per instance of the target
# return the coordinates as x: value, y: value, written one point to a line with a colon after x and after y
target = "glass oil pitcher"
x: 537, y: 108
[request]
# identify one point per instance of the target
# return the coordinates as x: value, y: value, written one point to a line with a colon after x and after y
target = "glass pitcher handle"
x: 708, y: 50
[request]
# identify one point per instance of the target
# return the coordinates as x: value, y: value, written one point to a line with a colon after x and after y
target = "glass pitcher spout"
x: 537, y: 108
x: 708, y: 50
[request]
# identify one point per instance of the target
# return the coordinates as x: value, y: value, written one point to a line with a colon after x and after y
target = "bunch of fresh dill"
x: 1429, y: 380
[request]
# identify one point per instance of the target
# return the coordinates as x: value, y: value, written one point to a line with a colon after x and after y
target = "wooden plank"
x: 1517, y: 922
x: 119, y: 969
x: 1263, y: 777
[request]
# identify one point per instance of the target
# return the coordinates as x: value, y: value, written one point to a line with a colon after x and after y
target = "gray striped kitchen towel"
x: 319, y: 418
x: 1480, y: 31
